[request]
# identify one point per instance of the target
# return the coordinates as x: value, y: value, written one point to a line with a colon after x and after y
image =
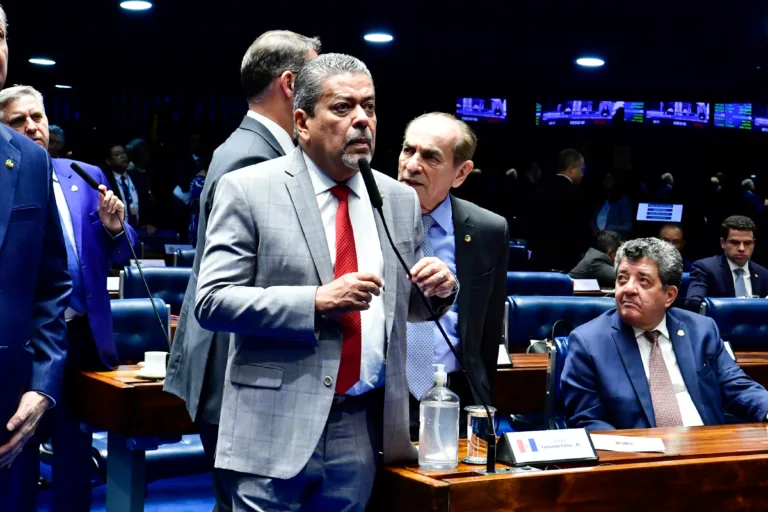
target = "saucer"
x: 141, y: 363
x: 145, y: 373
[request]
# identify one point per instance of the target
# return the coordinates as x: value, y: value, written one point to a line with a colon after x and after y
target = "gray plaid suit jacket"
x: 264, y: 258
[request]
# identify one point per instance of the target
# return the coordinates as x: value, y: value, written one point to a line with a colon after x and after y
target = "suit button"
x: 327, y: 381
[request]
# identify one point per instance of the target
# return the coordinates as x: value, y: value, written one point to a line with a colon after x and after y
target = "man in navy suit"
x: 646, y: 365
x: 34, y: 291
x: 731, y: 274
x: 94, y: 240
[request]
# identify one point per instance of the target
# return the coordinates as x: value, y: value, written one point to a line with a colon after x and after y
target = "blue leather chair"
x: 167, y: 283
x: 539, y: 283
x: 518, y: 255
x: 532, y: 318
x: 183, y: 257
x: 684, y: 284
x: 136, y: 329
x: 555, y: 362
x: 740, y: 321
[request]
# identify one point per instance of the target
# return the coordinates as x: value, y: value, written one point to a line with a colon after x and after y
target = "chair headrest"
x: 740, y: 321
x: 539, y: 283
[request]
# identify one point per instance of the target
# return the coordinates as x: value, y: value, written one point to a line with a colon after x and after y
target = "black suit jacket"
x: 198, y: 357
x: 595, y: 265
x: 147, y: 210
x: 712, y: 277
x: 482, y: 251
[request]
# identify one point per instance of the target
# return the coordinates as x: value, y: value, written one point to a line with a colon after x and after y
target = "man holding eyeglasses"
x: 731, y: 274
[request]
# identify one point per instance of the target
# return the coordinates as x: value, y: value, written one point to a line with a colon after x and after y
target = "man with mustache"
x: 436, y: 158
x: 646, y: 365
x: 297, y: 265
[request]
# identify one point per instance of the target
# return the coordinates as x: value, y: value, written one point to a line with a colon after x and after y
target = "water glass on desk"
x: 478, y: 427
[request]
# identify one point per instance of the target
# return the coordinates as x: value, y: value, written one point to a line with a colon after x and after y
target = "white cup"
x: 154, y: 362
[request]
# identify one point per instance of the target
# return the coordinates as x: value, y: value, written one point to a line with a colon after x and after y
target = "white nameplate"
x: 547, y: 446
x: 627, y: 443
x: 586, y: 285
x: 503, y: 356
x: 113, y: 284
x: 172, y: 248
x: 149, y: 263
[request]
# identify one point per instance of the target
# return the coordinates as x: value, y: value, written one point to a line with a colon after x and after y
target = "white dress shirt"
x: 747, y: 277
x: 688, y: 411
x: 283, y: 138
x: 369, y: 259
x: 69, y: 231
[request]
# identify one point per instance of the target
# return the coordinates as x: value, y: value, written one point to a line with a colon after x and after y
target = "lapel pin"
x: 74, y: 188
x: 681, y: 332
x: 9, y: 163
x: 467, y: 238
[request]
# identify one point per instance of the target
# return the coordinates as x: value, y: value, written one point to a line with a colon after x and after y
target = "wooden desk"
x: 521, y: 389
x: 706, y: 468
x: 138, y: 415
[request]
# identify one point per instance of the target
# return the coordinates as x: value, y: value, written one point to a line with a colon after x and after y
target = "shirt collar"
x: 734, y: 266
x: 55, y: 178
x: 566, y: 177
x: 283, y: 138
x: 662, y: 328
x: 321, y: 182
x: 443, y: 215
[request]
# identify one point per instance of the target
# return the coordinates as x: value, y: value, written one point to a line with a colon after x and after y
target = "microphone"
x: 95, y: 186
x: 377, y: 202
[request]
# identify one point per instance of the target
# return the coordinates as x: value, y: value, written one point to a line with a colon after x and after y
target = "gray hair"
x: 466, y: 143
x: 58, y: 130
x: 667, y: 178
x: 15, y: 93
x: 667, y: 258
x: 270, y: 55
x: 312, y: 77
x: 748, y: 184
x: 134, y: 145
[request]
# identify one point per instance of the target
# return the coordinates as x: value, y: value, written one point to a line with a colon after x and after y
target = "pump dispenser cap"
x: 441, y: 378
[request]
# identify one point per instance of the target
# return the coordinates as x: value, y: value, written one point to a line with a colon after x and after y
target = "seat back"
x: 518, y: 255
x: 539, y: 283
x: 532, y: 318
x: 555, y: 361
x: 740, y: 321
x: 136, y: 329
x: 167, y: 283
x: 183, y: 257
x: 684, y: 285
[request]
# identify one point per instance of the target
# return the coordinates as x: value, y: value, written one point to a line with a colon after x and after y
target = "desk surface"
x: 711, y: 468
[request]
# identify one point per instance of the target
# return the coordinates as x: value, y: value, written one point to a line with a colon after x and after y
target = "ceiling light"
x: 753, y: 176
x: 136, y: 5
x: 590, y: 62
x: 378, y: 37
x: 63, y: 86
x: 42, y: 62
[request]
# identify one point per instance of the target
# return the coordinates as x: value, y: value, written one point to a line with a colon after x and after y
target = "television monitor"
x: 482, y: 110
x: 760, y: 117
x: 660, y: 212
x: 538, y: 114
x: 590, y: 112
x: 733, y: 115
x: 678, y: 113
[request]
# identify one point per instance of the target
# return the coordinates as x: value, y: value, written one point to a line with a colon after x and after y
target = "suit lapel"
x: 464, y: 233
x: 72, y: 193
x: 623, y: 336
x: 8, y: 179
x: 755, y: 279
x: 390, y: 261
x: 304, y: 201
x: 727, y: 277
x: 687, y: 364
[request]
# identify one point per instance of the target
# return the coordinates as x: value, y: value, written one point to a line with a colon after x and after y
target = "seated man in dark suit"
x: 598, y: 262
x: 672, y: 232
x: 730, y: 274
x: 646, y: 365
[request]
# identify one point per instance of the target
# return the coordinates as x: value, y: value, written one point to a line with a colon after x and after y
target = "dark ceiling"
x: 651, y: 48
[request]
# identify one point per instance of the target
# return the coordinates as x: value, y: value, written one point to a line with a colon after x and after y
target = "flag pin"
x: 74, y: 188
x: 9, y: 163
x: 681, y: 332
x: 467, y: 238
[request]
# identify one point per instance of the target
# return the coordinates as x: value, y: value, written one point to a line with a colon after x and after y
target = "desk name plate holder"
x: 543, y: 447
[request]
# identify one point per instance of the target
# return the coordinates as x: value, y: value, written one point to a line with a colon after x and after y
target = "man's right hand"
x: 350, y: 292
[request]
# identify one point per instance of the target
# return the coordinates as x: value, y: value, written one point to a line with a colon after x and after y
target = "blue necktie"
x: 740, y: 285
x: 128, y: 201
x: 421, y: 349
x: 77, y: 299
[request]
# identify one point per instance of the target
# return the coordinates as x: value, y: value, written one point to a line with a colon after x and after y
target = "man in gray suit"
x: 297, y: 266
x: 198, y: 356
x: 597, y: 263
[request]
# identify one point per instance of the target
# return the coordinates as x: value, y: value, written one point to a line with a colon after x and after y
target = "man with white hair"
x: 94, y: 240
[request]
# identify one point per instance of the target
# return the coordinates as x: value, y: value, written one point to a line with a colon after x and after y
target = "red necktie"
x: 346, y: 262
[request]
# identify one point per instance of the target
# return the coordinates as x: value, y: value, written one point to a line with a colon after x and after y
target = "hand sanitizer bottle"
x: 439, y: 425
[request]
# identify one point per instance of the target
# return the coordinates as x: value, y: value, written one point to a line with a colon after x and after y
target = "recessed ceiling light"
x: 58, y: 86
x: 378, y: 37
x: 42, y: 62
x: 590, y: 62
x: 753, y: 176
x: 136, y: 5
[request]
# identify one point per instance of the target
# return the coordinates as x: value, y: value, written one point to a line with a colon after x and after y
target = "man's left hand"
x: 108, y: 207
x: 433, y: 277
x: 23, y: 424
